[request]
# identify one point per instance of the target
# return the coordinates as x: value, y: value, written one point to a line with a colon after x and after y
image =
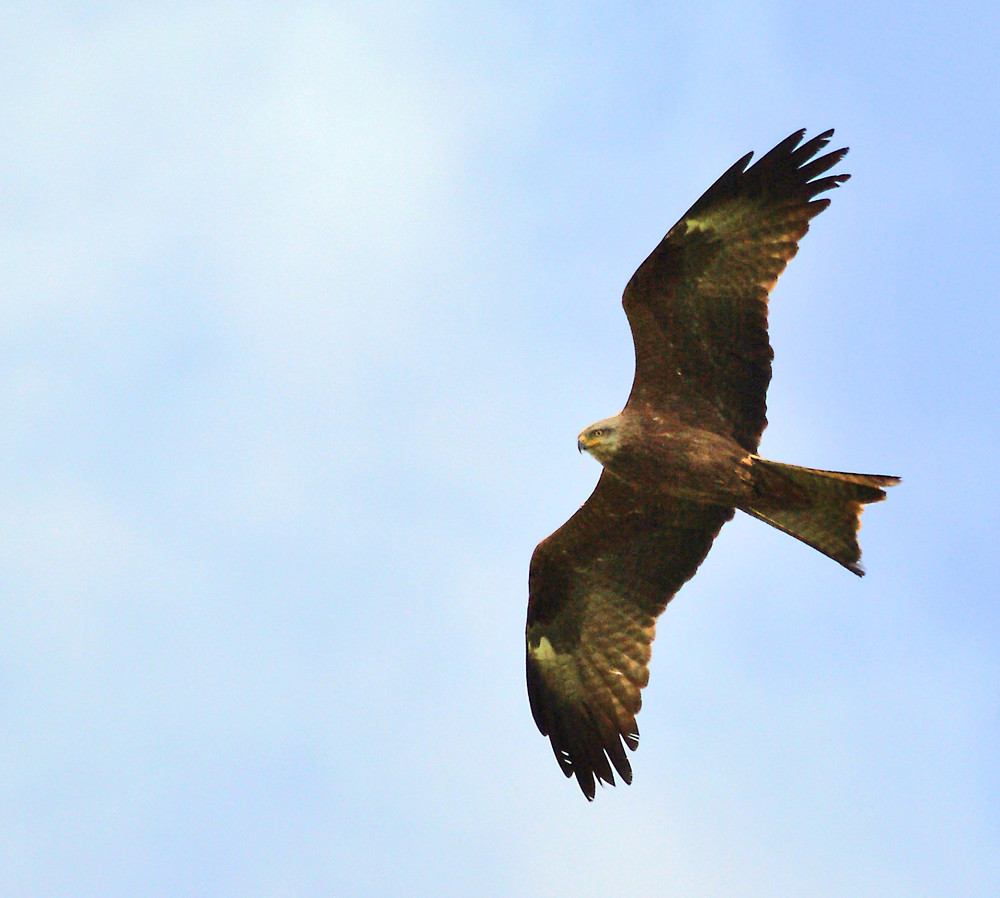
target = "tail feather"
x: 821, y: 508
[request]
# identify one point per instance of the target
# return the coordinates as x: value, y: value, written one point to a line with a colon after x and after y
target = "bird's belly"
x: 696, y: 465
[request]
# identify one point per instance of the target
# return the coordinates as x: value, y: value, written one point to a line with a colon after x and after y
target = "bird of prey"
x: 681, y: 458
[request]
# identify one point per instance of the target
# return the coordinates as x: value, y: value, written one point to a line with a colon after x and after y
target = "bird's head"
x: 601, y: 439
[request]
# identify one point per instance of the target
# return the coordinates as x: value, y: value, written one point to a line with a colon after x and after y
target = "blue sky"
x: 303, y: 307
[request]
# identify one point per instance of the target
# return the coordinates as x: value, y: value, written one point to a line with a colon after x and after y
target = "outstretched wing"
x: 596, y: 587
x: 698, y: 305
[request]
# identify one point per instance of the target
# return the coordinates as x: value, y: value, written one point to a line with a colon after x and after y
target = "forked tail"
x: 821, y: 508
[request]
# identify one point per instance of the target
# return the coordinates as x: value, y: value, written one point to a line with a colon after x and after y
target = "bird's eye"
x: 599, y: 432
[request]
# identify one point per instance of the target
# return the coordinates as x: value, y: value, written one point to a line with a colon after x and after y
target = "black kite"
x: 680, y: 458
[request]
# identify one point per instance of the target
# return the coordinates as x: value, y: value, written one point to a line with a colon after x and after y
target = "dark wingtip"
x: 794, y: 168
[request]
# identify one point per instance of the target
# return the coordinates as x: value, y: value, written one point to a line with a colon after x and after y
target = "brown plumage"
x: 680, y: 458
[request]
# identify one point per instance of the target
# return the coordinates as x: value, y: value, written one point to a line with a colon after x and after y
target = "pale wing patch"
x: 698, y: 224
x: 543, y: 652
x: 727, y: 218
x: 559, y: 670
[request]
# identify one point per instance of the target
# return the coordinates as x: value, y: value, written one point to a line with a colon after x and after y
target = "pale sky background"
x: 303, y: 305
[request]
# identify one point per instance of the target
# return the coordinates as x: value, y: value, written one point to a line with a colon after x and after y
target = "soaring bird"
x: 680, y: 458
